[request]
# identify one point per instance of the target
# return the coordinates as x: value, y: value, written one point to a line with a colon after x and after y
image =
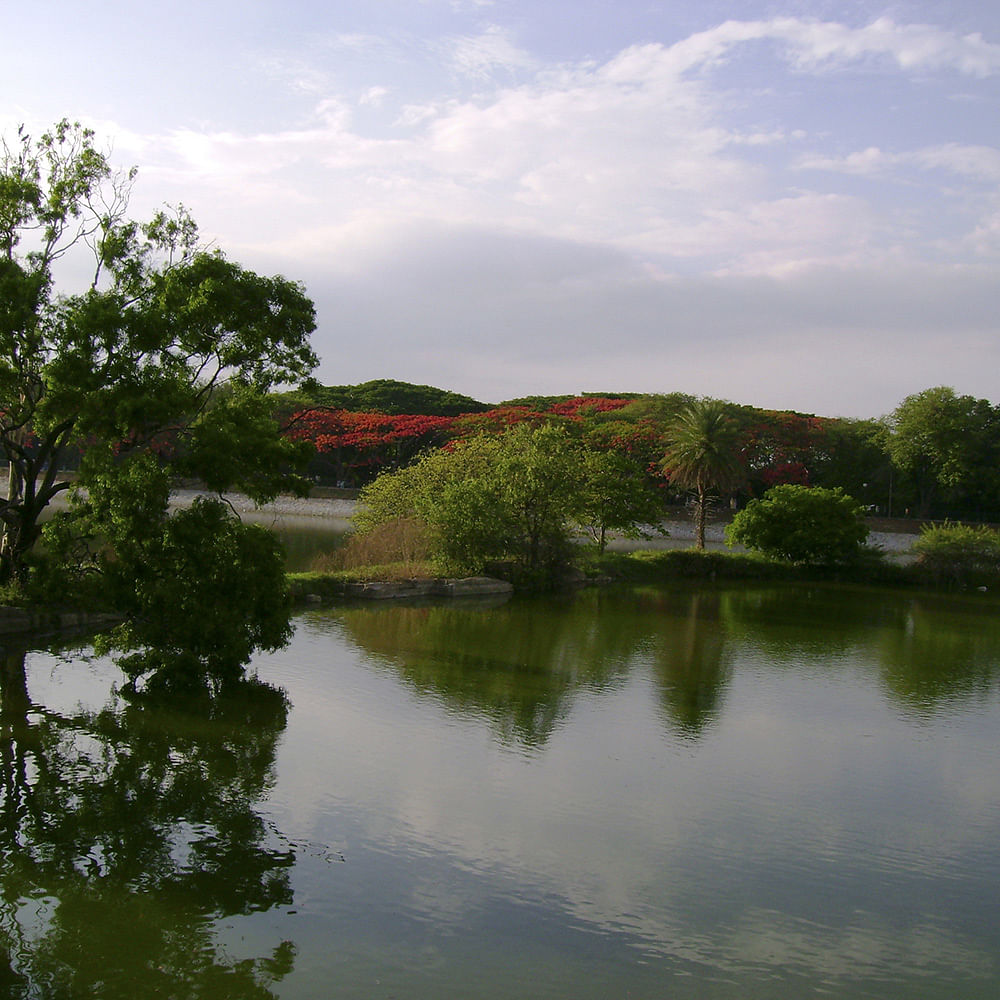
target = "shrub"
x: 802, y: 525
x: 958, y: 554
x: 491, y: 499
x: 402, y: 541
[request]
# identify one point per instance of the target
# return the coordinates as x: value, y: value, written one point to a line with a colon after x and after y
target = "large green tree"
x: 801, y: 524
x: 128, y: 342
x: 948, y: 448
x: 702, y: 455
x: 492, y: 497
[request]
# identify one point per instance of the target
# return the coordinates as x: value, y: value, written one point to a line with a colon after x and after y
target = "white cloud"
x: 976, y: 162
x: 637, y: 152
x: 813, y: 45
x: 480, y: 56
x: 374, y: 96
x: 912, y: 47
x: 639, y: 216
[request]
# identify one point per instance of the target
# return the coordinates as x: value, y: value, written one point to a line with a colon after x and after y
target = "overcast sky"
x: 792, y: 204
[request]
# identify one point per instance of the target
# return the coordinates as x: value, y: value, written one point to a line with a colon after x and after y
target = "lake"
x: 679, y: 792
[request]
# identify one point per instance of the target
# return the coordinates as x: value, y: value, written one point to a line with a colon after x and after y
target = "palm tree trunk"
x: 700, y: 519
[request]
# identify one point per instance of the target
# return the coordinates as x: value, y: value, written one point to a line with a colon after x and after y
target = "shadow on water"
x: 128, y: 832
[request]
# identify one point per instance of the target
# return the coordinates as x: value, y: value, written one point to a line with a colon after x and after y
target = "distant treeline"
x: 936, y: 455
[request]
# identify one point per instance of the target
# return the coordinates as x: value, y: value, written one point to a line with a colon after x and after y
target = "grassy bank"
x: 645, y: 567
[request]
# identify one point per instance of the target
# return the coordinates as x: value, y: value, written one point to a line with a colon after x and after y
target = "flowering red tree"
x: 583, y: 406
x: 352, y: 448
x: 782, y: 447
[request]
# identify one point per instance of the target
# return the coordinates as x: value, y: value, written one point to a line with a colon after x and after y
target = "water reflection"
x: 942, y: 655
x: 518, y: 664
x: 932, y: 651
x: 127, y: 832
x: 715, y: 798
x: 522, y: 664
x: 693, y: 661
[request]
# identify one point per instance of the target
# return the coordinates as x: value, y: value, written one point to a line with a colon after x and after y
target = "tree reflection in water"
x: 693, y: 660
x: 521, y: 664
x: 518, y: 664
x: 127, y: 833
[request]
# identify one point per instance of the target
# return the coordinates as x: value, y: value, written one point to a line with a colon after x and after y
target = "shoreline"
x: 334, y: 514
x: 337, y: 512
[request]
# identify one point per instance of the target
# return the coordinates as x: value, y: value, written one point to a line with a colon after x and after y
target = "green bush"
x: 802, y: 524
x: 958, y: 554
x: 492, y: 499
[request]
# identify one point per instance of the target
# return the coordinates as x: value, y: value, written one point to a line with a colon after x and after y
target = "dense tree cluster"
x: 514, y: 497
x: 936, y: 455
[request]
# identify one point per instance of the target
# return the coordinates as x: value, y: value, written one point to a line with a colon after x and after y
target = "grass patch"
x: 648, y: 566
x: 398, y: 549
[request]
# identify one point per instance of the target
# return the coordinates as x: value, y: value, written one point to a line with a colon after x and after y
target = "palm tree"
x: 702, y: 455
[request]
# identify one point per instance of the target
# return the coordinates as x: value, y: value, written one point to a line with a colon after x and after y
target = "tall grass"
x: 398, y: 549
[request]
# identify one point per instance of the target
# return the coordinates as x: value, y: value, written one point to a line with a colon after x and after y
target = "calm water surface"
x: 673, y: 793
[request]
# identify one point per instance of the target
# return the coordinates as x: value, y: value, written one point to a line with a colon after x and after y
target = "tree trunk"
x: 700, y: 520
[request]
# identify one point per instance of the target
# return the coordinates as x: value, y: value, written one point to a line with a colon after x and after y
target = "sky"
x: 794, y: 204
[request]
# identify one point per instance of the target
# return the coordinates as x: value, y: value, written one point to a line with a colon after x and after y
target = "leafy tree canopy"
x: 802, y: 525
x: 948, y: 446
x: 161, y: 360
x: 386, y: 395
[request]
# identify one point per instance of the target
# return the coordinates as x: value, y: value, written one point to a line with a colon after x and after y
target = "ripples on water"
x: 659, y: 793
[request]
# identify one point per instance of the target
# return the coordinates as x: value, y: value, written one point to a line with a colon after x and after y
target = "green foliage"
x: 702, y: 455
x: 948, y: 448
x: 214, y: 450
x: 161, y: 366
x: 616, y: 495
x: 958, y: 555
x: 537, y: 404
x: 389, y: 396
x: 802, y: 525
x: 492, y: 498
x: 853, y: 457
x: 200, y: 596
x: 660, y: 408
x: 652, y: 566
